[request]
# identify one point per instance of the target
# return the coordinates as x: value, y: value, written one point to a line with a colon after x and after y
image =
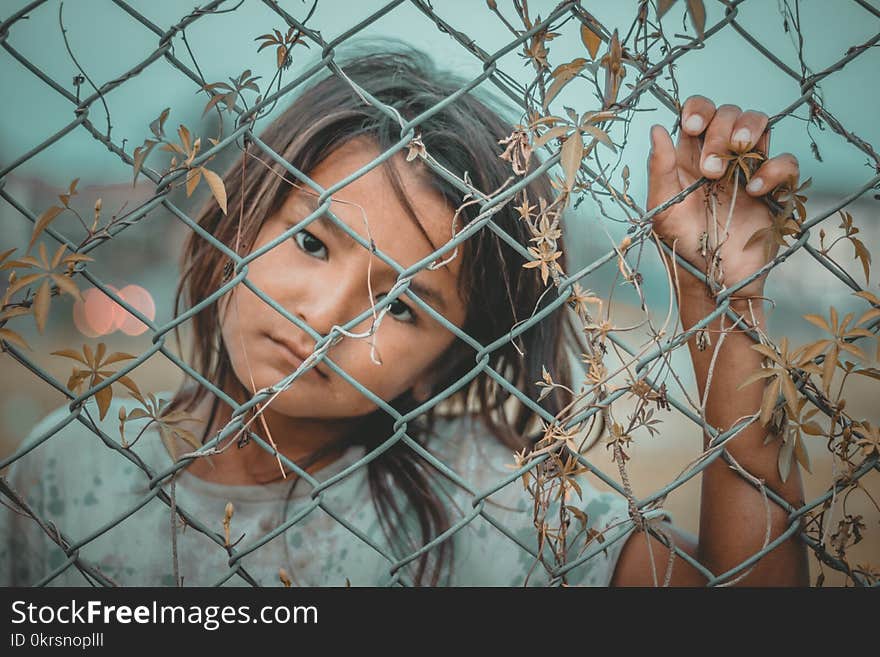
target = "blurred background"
x: 142, y: 262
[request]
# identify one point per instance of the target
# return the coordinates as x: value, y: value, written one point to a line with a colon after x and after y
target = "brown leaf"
x: 140, y: 154
x: 66, y: 285
x: 193, y: 177
x: 187, y: 436
x: 572, y: 152
x: 24, y: 281
x: 819, y: 321
x: 854, y: 350
x: 869, y: 315
x: 868, y: 296
x: 601, y: 135
x: 57, y: 257
x: 552, y: 133
x: 786, y: 454
x: 103, y: 397
x: 663, y: 6
x: 789, y: 391
x: 41, y: 223
x: 115, y: 357
x: 828, y: 368
x: 280, y: 55
x: 864, y: 255
x: 13, y: 311
x: 175, y: 416
x: 591, y: 40
x: 12, y: 337
x: 803, y: 457
x: 698, y: 16
x: 562, y: 75
x: 771, y: 393
x: 41, y: 305
x: 132, y: 388
x: 766, y: 351
x: 812, y: 428
x: 70, y: 353
x: 215, y: 182
x: 760, y: 374
x: 811, y: 351
x: 185, y: 138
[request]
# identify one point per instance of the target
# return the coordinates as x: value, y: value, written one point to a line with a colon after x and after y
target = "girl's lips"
x: 295, y: 356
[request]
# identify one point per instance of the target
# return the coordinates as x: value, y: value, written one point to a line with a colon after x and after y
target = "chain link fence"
x: 632, y: 66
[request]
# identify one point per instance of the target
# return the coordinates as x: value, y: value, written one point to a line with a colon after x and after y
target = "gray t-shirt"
x: 81, y: 485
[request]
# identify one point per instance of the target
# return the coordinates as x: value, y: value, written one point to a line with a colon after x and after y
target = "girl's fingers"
x: 717, y: 141
x: 748, y: 131
x: 783, y: 168
x: 696, y: 113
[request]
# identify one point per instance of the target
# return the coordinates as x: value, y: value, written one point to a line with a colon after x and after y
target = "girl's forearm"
x: 733, y: 514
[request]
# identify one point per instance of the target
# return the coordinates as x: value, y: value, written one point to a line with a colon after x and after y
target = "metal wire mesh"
x: 88, y: 116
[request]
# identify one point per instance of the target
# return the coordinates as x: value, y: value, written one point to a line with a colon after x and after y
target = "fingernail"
x: 694, y: 123
x: 755, y: 185
x: 713, y: 164
x: 742, y: 137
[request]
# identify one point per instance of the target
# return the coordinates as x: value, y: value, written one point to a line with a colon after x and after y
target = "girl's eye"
x: 309, y: 243
x: 397, y: 306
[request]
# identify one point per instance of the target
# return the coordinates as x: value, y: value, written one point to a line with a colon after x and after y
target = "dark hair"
x: 463, y: 137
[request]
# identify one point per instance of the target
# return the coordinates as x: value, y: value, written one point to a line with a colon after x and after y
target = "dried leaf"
x: 803, y: 457
x: 869, y: 315
x: 552, y: 133
x: 562, y: 75
x: 868, y: 296
x: 864, y: 255
x: 12, y: 337
x: 66, y: 285
x: 786, y: 454
x: 41, y: 305
x: 789, y: 391
x: 41, y: 223
x: 698, y: 16
x: 828, y: 368
x: 591, y: 40
x: 215, y: 182
x: 811, y: 351
x: 819, y: 321
x: 771, y: 393
x: 601, y: 135
x: 193, y: 177
x: 115, y: 357
x: 812, y: 428
x: 103, y: 397
x: 760, y: 374
x: 663, y: 6
x: 24, y: 281
x: 70, y: 353
x: 572, y: 152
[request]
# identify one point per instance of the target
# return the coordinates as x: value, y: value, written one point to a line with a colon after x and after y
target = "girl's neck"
x: 298, y: 439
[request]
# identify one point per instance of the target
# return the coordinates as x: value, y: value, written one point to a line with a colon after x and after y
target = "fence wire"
x: 851, y: 444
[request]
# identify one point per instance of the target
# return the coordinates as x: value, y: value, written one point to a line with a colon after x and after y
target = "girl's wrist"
x: 696, y: 302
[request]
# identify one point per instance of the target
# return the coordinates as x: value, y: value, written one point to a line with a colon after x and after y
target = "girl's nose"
x: 334, y: 301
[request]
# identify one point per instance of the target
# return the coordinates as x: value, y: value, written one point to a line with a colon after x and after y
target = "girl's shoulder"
x: 83, y: 441
x: 500, y: 513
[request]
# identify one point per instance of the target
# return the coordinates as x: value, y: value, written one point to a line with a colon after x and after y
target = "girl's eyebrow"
x: 422, y: 290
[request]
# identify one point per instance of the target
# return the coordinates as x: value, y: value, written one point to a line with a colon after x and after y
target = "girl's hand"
x: 707, y: 136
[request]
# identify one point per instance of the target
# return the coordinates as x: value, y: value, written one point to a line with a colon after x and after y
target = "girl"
x: 326, y: 488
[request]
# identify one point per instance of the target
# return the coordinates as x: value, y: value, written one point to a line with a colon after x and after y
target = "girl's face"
x: 321, y: 275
